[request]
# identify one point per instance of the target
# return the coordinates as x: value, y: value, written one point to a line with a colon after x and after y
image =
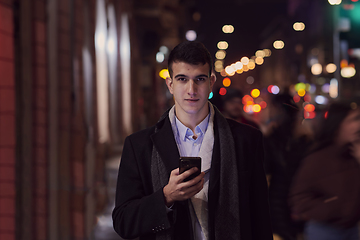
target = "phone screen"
x: 187, y: 163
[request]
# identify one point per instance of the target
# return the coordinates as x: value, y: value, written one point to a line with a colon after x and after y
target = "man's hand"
x: 177, y: 190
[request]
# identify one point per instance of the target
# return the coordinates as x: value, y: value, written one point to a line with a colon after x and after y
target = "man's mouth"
x: 192, y: 100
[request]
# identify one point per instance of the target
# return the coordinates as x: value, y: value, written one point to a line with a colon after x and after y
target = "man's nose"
x: 192, y: 88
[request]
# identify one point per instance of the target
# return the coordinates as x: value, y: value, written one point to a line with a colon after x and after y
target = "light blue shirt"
x: 188, y: 146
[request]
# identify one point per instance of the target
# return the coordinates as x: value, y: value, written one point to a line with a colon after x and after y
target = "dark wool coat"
x: 139, y: 211
x: 327, y: 188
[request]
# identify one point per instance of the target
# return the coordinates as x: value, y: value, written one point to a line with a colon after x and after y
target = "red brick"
x: 40, y: 76
x: 40, y: 98
x: 40, y: 117
x: 64, y: 22
x: 78, y: 169
x: 40, y: 55
x: 78, y: 219
x: 40, y: 33
x: 41, y: 155
x: 7, y: 155
x: 7, y: 223
x: 7, y: 189
x: 64, y: 61
x: 7, y: 73
x: 7, y: 100
x: 41, y: 227
x: 39, y: 10
x: 65, y: 79
x: 6, y: 19
x: 7, y: 173
x: 64, y: 6
x: 40, y: 135
x: 7, y: 236
x: 7, y: 130
x: 40, y: 206
x: 6, y: 46
x: 7, y: 206
x: 41, y: 180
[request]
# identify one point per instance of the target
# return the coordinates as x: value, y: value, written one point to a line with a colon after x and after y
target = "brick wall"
x: 7, y: 123
x: 40, y: 120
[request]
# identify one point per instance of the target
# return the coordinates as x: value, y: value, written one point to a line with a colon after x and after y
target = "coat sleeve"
x: 306, y: 199
x: 259, y: 204
x: 138, y: 210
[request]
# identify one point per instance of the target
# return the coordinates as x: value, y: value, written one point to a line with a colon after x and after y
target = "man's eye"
x: 201, y: 79
x: 182, y: 79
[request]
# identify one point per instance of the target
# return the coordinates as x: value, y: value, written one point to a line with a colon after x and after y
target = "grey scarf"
x: 227, y: 220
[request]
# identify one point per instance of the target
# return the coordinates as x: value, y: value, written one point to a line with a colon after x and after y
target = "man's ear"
x: 169, y: 84
x: 212, y: 80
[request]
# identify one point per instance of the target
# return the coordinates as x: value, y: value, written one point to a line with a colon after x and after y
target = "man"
x: 228, y: 200
x: 233, y: 107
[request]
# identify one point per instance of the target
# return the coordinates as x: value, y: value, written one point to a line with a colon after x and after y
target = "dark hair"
x: 336, y: 113
x: 193, y: 53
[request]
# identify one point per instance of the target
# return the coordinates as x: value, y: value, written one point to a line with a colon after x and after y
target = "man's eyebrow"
x: 180, y: 75
x: 202, y: 75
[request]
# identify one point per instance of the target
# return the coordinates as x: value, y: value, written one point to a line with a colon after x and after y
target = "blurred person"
x: 228, y: 200
x: 284, y: 149
x: 326, y: 190
x: 233, y: 107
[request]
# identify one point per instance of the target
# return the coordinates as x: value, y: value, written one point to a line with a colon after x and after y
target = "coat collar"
x: 164, y: 142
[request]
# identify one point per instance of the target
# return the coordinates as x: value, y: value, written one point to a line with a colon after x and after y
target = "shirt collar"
x: 185, y: 132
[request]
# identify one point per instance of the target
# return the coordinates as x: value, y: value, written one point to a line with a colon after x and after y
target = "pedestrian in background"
x: 326, y: 190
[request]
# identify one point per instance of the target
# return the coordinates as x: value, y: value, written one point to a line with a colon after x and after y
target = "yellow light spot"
x: 238, y: 66
x: 251, y: 65
x: 330, y: 68
x: 255, y: 93
x: 256, y: 108
x: 229, y: 70
x: 221, y: 54
x: 316, y: 69
x: 259, y: 60
x: 240, y: 71
x: 301, y: 92
x: 278, y: 44
x: 260, y: 53
x: 267, y: 52
x: 245, y: 60
x: 164, y: 73
x: 222, y: 45
x: 299, y: 26
x: 226, y: 82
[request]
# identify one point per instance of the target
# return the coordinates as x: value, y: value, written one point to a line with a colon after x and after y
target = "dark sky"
x: 249, y: 17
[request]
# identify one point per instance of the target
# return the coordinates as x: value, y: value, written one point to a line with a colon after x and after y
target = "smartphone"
x: 187, y: 163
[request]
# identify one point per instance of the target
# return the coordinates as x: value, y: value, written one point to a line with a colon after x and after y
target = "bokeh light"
x: 220, y: 54
x: 299, y: 26
x: 245, y: 60
x: 275, y: 89
x: 191, y: 35
x: 211, y: 95
x: 259, y: 60
x: 330, y: 68
x: 255, y: 93
x: 222, y: 91
x: 226, y: 82
x: 250, y: 80
x: 279, y: 44
x: 228, y: 28
x: 316, y: 69
x: 256, y: 108
x: 164, y: 73
x: 222, y: 45
x: 334, y: 2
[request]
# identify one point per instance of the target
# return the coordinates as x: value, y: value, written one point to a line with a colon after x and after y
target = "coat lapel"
x: 165, y: 144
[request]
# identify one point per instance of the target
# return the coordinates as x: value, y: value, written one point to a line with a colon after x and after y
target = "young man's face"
x: 191, y: 86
